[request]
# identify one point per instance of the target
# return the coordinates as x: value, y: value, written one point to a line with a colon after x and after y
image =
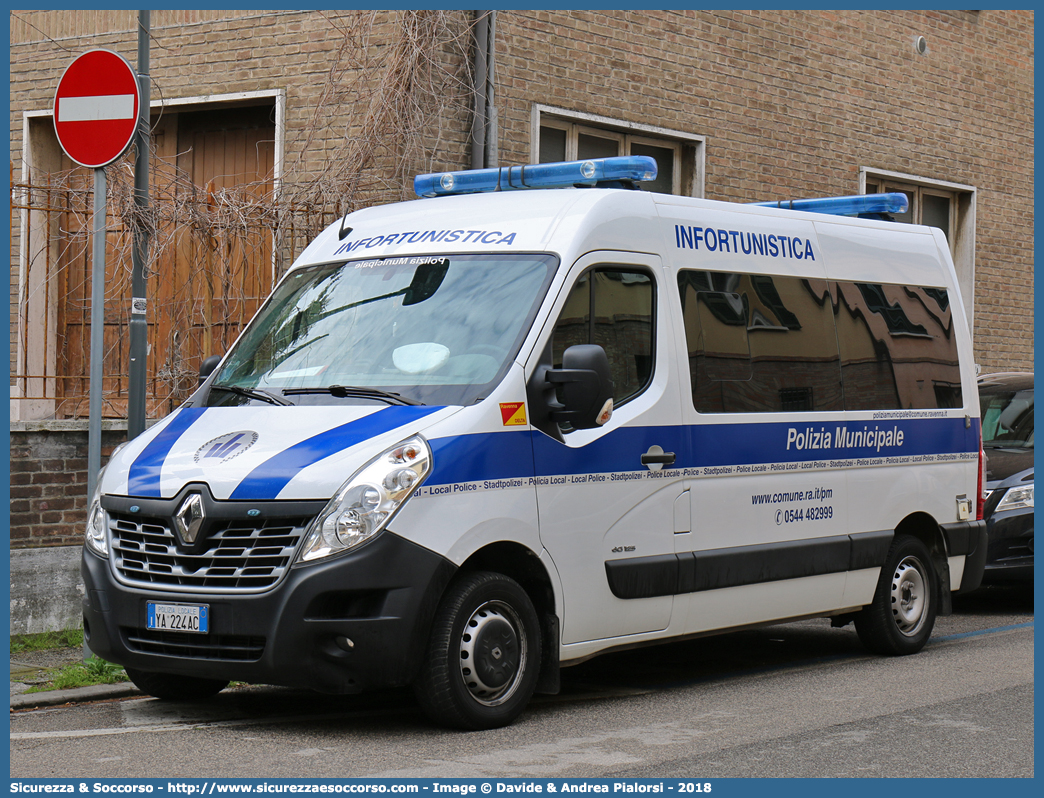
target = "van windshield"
x: 418, y: 329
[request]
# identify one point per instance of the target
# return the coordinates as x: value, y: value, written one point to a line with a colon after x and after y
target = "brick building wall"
x: 793, y: 103
x: 315, y: 57
x: 49, y: 480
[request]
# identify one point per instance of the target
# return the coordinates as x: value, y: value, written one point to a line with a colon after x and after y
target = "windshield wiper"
x: 356, y: 392
x: 253, y: 393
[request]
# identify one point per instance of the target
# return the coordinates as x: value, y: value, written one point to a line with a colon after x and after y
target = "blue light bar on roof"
x: 896, y: 202
x: 592, y: 172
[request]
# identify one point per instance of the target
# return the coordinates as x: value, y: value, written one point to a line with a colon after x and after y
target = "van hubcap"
x: 909, y: 596
x: 492, y: 653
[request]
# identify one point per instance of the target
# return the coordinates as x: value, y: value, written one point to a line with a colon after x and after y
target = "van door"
x: 606, y: 496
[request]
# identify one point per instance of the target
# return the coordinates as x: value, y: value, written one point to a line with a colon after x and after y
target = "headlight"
x: 1017, y: 498
x: 367, y: 502
x: 96, y: 538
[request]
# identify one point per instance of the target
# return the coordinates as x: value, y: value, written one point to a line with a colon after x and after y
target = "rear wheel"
x: 174, y: 687
x: 901, y: 617
x: 483, y: 656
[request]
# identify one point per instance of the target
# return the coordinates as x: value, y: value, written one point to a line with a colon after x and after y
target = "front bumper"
x: 354, y: 622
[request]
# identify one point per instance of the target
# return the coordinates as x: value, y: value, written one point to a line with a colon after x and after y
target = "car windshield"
x: 1007, y: 418
x: 430, y: 330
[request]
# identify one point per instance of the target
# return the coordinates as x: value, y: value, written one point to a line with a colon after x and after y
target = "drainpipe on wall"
x: 492, y: 155
x: 484, y: 119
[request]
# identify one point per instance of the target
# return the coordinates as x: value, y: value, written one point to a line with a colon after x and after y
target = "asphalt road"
x: 801, y: 700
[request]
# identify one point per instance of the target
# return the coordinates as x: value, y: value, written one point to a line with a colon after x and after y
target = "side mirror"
x: 586, y: 388
x: 207, y: 367
x: 426, y: 281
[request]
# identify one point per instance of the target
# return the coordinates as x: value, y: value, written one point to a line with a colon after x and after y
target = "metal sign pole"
x: 97, y: 332
x: 136, y: 411
x: 94, y: 431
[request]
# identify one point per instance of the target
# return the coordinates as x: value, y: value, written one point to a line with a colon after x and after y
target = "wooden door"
x: 211, y: 258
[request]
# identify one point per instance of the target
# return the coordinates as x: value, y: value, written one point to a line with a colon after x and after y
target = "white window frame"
x: 574, y: 123
x: 962, y: 221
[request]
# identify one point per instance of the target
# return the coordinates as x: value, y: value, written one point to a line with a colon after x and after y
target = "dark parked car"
x: 1006, y: 401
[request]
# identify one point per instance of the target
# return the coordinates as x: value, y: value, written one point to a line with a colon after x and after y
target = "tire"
x: 483, y: 656
x: 901, y: 617
x: 172, y: 687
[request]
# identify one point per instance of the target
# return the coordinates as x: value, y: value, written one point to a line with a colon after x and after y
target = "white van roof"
x: 573, y: 221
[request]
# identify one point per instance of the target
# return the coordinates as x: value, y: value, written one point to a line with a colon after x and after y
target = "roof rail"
x: 895, y: 202
x: 622, y: 171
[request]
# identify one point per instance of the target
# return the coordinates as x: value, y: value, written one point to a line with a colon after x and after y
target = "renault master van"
x: 539, y: 414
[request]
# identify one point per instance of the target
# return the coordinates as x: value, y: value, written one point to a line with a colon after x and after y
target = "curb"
x: 76, y: 695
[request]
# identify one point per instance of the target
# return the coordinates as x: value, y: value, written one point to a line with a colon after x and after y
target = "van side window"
x: 759, y: 343
x: 898, y: 348
x: 611, y: 307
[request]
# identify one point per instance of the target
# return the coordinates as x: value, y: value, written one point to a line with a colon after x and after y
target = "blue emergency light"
x: 592, y: 172
x: 895, y: 202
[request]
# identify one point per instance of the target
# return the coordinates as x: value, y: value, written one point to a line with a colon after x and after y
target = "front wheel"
x: 172, y: 687
x: 901, y: 617
x: 483, y: 655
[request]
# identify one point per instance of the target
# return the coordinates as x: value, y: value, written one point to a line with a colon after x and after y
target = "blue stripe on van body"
x: 754, y: 444
x: 509, y: 454
x: 499, y: 455
x: 269, y: 478
x: 143, y: 477
x: 708, y: 445
x: 467, y: 458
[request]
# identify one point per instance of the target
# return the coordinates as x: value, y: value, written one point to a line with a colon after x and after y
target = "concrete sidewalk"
x: 31, y: 668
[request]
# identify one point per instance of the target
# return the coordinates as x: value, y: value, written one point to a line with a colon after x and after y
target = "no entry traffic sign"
x: 96, y: 108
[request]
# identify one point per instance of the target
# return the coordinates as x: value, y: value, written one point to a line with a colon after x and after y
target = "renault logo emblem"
x: 189, y: 518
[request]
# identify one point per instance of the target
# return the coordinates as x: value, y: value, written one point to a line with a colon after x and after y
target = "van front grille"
x: 236, y: 556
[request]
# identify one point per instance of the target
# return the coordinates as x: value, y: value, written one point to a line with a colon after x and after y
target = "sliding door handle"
x: 661, y: 458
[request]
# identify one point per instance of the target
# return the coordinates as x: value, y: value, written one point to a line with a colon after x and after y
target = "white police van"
x: 476, y: 437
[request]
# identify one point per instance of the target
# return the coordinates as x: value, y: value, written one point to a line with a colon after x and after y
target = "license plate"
x: 178, y: 617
